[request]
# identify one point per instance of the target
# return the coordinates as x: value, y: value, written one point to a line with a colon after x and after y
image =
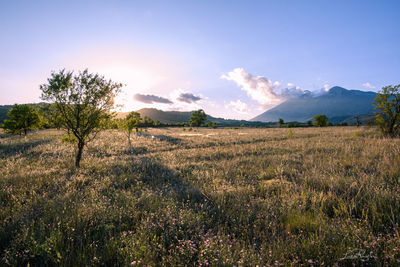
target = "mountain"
x: 338, y: 104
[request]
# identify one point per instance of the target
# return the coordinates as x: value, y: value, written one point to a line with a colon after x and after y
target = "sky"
x: 234, y: 59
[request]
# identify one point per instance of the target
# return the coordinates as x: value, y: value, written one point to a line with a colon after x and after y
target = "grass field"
x: 304, y: 196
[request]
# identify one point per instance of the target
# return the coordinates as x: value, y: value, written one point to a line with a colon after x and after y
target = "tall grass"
x: 315, y: 196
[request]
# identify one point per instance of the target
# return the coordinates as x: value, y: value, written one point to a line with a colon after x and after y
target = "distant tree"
x: 321, y: 120
x: 50, y: 116
x: 198, y: 118
x: 387, y: 104
x: 281, y: 122
x: 309, y: 123
x: 84, y: 102
x: 212, y: 124
x: 147, y: 122
x: 22, y: 119
x: 358, y: 121
x: 131, y: 121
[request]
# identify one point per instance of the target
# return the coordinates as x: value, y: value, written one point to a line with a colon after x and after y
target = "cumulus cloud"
x: 151, y: 99
x: 294, y: 91
x: 368, y: 85
x: 238, y: 106
x: 188, y: 98
x: 262, y: 89
x: 258, y: 88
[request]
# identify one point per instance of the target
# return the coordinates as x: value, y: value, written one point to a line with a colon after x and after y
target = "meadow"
x: 243, y: 197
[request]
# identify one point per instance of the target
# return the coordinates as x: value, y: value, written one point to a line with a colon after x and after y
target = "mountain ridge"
x: 338, y: 104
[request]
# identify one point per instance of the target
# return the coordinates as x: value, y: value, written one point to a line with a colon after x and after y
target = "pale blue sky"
x: 166, y: 48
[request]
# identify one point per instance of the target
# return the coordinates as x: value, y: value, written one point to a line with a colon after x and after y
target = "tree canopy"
x: 387, y: 104
x: 320, y: 120
x: 131, y: 121
x: 22, y: 119
x: 83, y: 101
x: 198, y: 118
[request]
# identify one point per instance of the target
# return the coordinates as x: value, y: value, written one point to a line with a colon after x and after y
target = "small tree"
x: 281, y: 122
x: 387, y: 104
x: 320, y: 120
x: 198, y: 118
x: 131, y: 121
x: 84, y: 102
x: 22, y: 119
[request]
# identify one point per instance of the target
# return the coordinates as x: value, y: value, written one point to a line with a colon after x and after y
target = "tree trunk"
x: 79, y: 154
x: 129, y: 139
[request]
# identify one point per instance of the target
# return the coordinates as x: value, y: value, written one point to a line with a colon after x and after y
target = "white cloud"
x: 259, y: 88
x: 326, y: 87
x: 238, y: 106
x: 368, y: 85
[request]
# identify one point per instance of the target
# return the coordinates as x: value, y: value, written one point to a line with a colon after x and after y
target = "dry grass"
x: 308, y: 196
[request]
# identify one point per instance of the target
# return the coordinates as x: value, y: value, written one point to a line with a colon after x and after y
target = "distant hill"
x: 339, y: 104
x: 3, y: 112
x: 184, y: 116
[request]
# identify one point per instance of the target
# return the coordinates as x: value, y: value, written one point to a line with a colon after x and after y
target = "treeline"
x: 23, y: 118
x: 27, y: 117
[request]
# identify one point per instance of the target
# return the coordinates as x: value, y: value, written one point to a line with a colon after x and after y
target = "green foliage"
x: 320, y: 120
x: 69, y: 139
x: 198, y: 118
x: 22, y: 119
x: 387, y: 104
x: 292, y: 124
x: 212, y: 125
x: 50, y: 117
x: 281, y: 122
x: 82, y: 102
x: 131, y: 121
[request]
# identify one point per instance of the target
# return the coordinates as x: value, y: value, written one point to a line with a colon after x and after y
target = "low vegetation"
x: 244, y: 197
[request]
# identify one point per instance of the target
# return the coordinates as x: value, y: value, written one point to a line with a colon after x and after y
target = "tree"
x: 281, y: 122
x: 387, y: 104
x: 50, y: 116
x: 131, y: 121
x: 84, y: 102
x: 320, y: 120
x: 198, y: 118
x: 22, y: 119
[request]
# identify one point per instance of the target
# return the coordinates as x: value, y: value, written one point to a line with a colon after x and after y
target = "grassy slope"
x: 243, y: 197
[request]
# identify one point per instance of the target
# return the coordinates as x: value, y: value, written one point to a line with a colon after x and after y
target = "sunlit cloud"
x: 368, y: 85
x: 261, y: 89
x: 238, y: 106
